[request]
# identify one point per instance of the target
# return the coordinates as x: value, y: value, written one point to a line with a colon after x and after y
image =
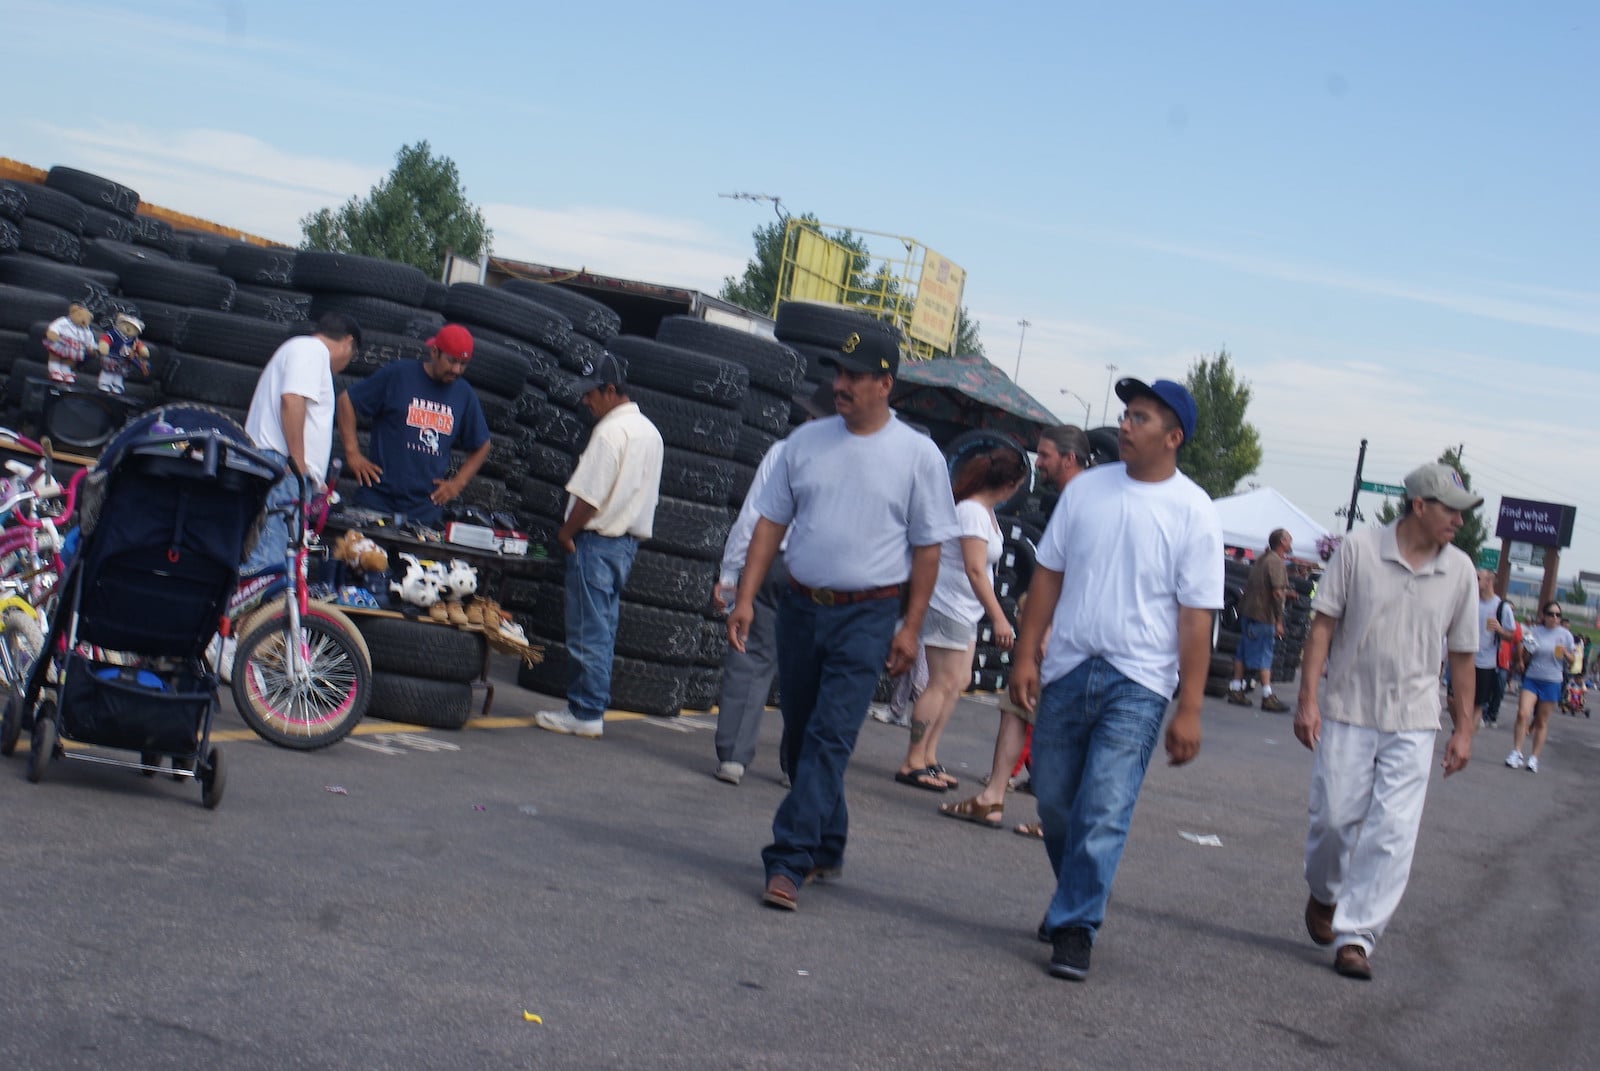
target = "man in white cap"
x: 1387, y: 597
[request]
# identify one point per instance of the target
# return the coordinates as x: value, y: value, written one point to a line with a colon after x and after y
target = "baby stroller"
x: 1573, y: 697
x: 167, y: 514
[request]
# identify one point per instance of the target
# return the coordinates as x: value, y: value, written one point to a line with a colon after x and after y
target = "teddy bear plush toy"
x: 359, y: 552
x: 68, y: 341
x: 120, y: 350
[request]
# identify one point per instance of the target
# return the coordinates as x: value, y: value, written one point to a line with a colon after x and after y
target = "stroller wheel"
x: 11, y: 725
x: 212, y: 779
x: 43, y: 747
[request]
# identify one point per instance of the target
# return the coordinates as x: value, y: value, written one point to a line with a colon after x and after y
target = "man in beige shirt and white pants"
x: 1387, y: 598
x: 614, y: 491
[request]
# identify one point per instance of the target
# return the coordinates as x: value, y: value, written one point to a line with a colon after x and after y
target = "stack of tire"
x: 694, y: 382
x: 1225, y: 634
x: 1296, y: 623
x: 421, y: 672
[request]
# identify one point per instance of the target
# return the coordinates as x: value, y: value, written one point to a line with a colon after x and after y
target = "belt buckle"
x: 822, y: 596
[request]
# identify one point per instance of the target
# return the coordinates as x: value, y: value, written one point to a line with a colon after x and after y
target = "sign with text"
x: 1391, y: 489
x: 938, y: 307
x: 1489, y: 558
x: 1546, y: 524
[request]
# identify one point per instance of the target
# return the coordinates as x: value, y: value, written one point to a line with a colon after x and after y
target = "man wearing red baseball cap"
x: 420, y: 411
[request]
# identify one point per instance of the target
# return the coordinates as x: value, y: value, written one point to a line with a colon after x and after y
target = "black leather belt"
x: 829, y: 597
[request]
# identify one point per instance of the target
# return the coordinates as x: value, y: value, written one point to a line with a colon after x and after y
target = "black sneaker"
x: 1043, y: 933
x: 1070, y: 956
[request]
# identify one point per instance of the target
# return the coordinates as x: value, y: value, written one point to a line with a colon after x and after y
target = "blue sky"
x: 1385, y: 212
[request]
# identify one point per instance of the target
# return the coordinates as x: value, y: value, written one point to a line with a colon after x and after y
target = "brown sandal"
x: 1030, y: 829
x: 987, y: 815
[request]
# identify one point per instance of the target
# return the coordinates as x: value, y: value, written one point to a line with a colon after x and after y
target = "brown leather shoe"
x: 1319, y: 921
x: 1274, y: 704
x: 781, y: 894
x: 1238, y: 698
x: 1351, y: 961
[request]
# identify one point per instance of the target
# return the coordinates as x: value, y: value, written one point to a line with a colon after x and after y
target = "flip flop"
x: 1030, y: 829
x: 919, y: 779
x: 987, y: 815
x: 950, y: 780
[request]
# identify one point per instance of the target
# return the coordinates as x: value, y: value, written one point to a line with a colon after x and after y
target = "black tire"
x: 420, y: 701
x: 543, y: 499
x: 53, y: 206
x: 420, y: 649
x: 75, y: 284
x: 93, y: 190
x: 502, y: 310
x: 10, y: 236
x: 13, y: 201
x: 21, y: 308
x: 164, y: 323
x: 820, y: 324
x: 691, y: 529
x: 766, y: 411
x: 702, y: 687
x: 241, y: 339
x: 559, y: 427
x: 587, y: 316
x: 341, y: 667
x: 504, y: 462
x: 434, y: 296
x: 152, y: 232
x: 378, y: 314
x: 562, y: 388
x: 43, y: 746
x: 278, y: 306
x: 496, y: 368
x: 47, y: 240
x: 213, y: 777
x: 550, y: 463
x: 102, y: 225
x: 682, y: 372
x: 259, y: 265
x: 500, y: 413
x: 653, y: 633
x: 688, y: 424
x: 199, y: 248
x: 15, y: 346
x: 179, y: 284
x: 352, y: 274
x: 106, y: 254
x: 210, y: 381
x: 696, y: 478
x: 379, y: 348
x: 773, y: 366
x: 489, y: 493
x: 743, y: 476
x: 579, y: 352
x: 661, y: 579
x: 753, y: 445
x: 713, y: 642
x: 643, y: 687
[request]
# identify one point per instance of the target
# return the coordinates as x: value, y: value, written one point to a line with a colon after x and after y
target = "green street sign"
x: 1383, y: 488
x: 1489, y: 558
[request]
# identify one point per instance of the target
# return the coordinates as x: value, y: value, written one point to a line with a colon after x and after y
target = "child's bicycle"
x: 302, y: 674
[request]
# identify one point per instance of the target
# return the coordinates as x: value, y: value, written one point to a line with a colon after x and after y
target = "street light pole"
x: 1024, y: 324
x: 1105, y: 405
x: 1079, y: 397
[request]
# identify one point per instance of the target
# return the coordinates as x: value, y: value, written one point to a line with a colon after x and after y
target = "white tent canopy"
x: 1249, y: 518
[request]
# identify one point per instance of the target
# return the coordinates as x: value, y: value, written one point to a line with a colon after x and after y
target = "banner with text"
x: 933, y: 320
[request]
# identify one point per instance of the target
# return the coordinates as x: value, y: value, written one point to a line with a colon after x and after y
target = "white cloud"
x: 630, y: 245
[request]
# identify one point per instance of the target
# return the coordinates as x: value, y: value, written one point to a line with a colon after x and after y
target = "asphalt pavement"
x: 505, y: 897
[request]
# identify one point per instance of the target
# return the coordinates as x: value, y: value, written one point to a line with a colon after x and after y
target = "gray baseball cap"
x: 1441, y: 483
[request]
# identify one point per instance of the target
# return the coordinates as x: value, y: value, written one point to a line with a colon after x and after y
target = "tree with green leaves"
x: 967, y: 339
x: 1226, y: 447
x: 757, y: 288
x: 414, y: 216
x: 1577, y: 594
x: 1473, y: 532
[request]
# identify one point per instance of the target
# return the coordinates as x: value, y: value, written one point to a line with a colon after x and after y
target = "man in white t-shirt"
x: 614, y: 491
x: 1496, y: 624
x: 866, y: 503
x: 291, y: 417
x: 1129, y: 572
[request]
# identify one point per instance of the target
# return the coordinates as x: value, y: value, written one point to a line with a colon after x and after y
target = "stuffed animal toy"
x: 420, y: 585
x: 68, y: 341
x: 356, y: 550
x: 121, y: 349
x: 460, y: 581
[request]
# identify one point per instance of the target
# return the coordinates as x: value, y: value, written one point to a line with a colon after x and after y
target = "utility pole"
x: 1355, y: 488
x: 1105, y: 404
x: 1016, y: 377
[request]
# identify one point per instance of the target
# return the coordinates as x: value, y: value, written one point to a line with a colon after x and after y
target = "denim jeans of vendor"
x: 1257, y: 642
x: 829, y: 659
x: 596, y: 574
x: 273, y: 545
x: 1094, y: 731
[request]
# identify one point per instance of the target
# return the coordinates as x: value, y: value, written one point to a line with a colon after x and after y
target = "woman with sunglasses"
x: 1547, y: 646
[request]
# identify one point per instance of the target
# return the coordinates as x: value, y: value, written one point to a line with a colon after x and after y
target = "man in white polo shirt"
x: 614, y: 491
x: 1387, y: 598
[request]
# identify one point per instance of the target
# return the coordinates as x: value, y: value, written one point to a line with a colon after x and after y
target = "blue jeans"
x: 272, y: 548
x: 1093, y: 733
x: 595, y: 578
x: 829, y: 659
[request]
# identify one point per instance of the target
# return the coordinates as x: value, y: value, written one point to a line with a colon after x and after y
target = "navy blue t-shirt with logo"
x: 415, y: 423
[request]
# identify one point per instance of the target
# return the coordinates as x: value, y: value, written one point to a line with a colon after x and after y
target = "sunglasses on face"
x: 1552, y: 613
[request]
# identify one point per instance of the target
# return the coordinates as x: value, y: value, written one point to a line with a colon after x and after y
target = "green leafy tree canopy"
x: 1474, y: 531
x: 1226, y: 447
x: 414, y: 216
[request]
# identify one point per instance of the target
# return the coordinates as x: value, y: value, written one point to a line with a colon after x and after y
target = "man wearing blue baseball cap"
x: 1128, y: 574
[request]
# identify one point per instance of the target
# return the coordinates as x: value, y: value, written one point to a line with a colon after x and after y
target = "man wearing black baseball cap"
x: 1127, y: 576
x: 420, y: 411
x: 866, y: 503
x: 612, y: 507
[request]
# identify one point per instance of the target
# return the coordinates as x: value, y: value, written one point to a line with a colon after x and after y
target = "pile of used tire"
x: 1225, y: 633
x: 720, y: 398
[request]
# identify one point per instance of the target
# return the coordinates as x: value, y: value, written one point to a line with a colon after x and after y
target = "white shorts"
x: 947, y: 633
